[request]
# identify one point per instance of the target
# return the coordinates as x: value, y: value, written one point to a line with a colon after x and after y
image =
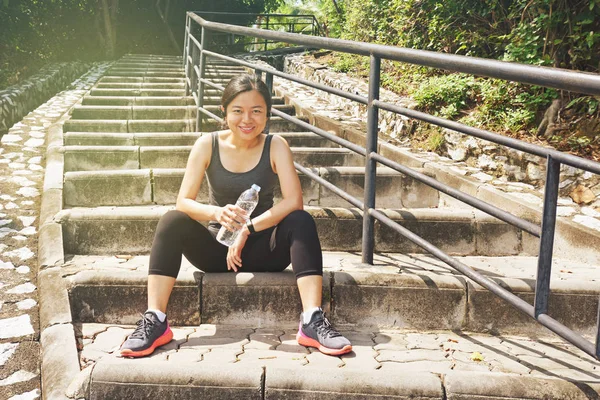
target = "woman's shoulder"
x: 207, y: 138
x: 278, y: 141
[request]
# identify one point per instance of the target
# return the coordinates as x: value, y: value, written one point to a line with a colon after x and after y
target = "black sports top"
x: 224, y: 187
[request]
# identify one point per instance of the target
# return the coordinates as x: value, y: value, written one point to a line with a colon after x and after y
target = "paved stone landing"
x: 378, y: 354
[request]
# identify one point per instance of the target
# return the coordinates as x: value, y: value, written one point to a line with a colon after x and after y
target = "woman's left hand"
x: 234, y: 254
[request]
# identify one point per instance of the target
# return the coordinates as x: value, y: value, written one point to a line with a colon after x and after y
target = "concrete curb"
x: 50, y: 245
x: 59, y: 359
x: 131, y: 379
x: 60, y: 362
x: 137, y: 379
x: 472, y: 385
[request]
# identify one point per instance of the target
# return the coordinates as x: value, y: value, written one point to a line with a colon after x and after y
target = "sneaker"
x: 320, y: 334
x: 149, y: 334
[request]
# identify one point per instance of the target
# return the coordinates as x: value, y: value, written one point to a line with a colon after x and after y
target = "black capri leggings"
x: 295, y: 240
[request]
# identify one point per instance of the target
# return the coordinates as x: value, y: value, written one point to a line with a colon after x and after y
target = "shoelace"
x: 325, y: 329
x: 143, y: 328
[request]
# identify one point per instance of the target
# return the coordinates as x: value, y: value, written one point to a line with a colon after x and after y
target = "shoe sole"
x: 308, y: 342
x: 162, y: 340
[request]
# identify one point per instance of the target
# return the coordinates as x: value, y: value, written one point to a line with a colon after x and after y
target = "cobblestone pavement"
x: 22, y: 160
x: 396, y: 350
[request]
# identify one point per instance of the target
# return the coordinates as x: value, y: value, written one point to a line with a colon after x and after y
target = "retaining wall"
x: 18, y: 100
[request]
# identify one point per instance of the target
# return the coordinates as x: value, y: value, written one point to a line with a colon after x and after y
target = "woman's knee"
x: 299, y: 218
x: 172, y: 222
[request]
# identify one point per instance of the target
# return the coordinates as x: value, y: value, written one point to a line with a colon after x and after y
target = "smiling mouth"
x: 246, y: 128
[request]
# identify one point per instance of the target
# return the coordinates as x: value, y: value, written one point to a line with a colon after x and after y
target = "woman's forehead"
x: 251, y: 98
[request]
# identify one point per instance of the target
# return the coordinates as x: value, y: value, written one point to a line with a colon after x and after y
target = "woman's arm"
x: 291, y: 190
x: 192, y: 179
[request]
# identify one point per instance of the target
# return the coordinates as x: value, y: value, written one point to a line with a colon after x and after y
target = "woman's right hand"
x: 231, y: 217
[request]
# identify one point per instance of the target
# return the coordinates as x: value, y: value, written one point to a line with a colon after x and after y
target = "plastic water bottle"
x: 247, y: 201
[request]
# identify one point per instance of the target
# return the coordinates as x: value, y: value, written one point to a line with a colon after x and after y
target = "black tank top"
x: 224, y: 187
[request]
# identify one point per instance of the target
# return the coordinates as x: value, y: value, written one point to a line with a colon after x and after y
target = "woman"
x: 270, y: 239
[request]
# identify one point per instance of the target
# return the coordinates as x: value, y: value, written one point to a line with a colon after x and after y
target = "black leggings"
x: 295, y: 240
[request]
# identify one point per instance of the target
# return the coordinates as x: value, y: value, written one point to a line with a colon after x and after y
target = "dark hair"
x: 245, y: 83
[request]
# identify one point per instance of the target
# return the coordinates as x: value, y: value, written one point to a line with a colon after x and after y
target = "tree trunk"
x: 165, y: 20
x: 547, y: 127
x: 109, y: 16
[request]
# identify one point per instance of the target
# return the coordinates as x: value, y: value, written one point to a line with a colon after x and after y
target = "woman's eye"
x: 237, y: 111
x: 257, y: 111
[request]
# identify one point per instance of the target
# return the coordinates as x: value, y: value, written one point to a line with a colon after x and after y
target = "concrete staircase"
x: 124, y: 152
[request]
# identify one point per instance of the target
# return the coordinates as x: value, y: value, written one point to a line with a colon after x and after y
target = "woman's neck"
x: 242, y: 144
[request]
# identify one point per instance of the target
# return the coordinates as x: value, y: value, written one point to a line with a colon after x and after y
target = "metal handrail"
x: 292, y: 22
x: 542, y: 76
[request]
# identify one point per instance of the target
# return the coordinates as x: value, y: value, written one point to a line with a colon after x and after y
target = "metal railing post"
x: 186, y: 52
x: 368, y: 235
x: 542, y: 283
x: 202, y: 69
x: 598, y: 332
x: 269, y: 82
x: 193, y: 74
x: 258, y: 73
x: 267, y: 28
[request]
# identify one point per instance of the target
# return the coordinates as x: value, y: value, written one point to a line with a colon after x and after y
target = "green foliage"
x: 435, y: 141
x: 563, y: 33
x: 35, y: 32
x: 446, y: 93
x: 559, y: 33
x: 586, y: 104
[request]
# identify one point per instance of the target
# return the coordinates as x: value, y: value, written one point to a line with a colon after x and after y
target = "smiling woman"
x: 271, y: 237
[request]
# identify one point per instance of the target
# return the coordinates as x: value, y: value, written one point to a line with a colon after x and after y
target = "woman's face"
x: 247, y: 115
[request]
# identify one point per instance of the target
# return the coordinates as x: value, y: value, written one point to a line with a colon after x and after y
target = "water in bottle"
x: 247, y: 201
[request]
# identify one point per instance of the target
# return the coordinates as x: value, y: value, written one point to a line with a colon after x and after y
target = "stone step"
x: 133, y: 79
x: 132, y: 82
x: 129, y: 230
x: 148, y: 92
x: 400, y: 291
x: 148, y: 65
x: 152, y: 101
x: 276, y: 124
x: 137, y: 92
x: 137, y: 101
x: 133, y: 112
x: 140, y: 85
x: 161, y: 186
x: 147, y: 68
x: 294, y: 139
x: 145, y: 73
x: 156, y: 57
x: 131, y: 139
x: 415, y: 327
x: 142, y: 64
x: 268, y: 364
x: 96, y: 158
x: 152, y: 60
x: 151, y: 112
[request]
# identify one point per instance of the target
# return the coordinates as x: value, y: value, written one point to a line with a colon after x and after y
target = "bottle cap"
x: 256, y: 187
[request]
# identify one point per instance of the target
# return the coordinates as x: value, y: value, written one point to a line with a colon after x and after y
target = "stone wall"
x: 495, y: 161
x: 16, y: 101
x: 391, y: 124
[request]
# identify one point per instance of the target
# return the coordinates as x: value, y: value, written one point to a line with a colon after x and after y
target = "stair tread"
x: 514, y: 270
